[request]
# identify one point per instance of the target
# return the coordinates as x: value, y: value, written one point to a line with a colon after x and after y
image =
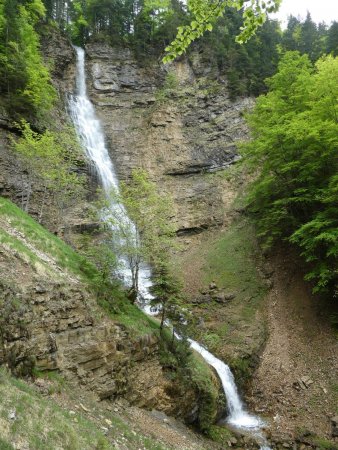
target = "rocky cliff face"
x: 50, y: 321
x: 16, y: 182
x: 173, y: 122
x: 180, y: 127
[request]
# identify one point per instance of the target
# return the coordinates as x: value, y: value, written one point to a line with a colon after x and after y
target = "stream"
x: 91, y: 136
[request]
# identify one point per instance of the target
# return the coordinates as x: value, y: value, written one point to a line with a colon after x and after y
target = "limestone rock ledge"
x: 179, y: 135
x: 50, y: 321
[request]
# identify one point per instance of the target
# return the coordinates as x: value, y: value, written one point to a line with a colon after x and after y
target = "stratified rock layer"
x: 179, y: 130
x: 49, y: 321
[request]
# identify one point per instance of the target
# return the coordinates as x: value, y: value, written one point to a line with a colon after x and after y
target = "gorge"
x: 74, y: 348
x: 92, y: 139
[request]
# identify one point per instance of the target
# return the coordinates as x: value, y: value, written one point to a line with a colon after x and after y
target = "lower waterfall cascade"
x: 91, y: 136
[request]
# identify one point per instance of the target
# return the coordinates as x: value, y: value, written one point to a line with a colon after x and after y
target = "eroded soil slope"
x: 296, y: 381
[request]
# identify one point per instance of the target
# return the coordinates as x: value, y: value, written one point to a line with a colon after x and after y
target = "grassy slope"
x: 41, y: 423
x: 34, y: 244
x: 231, y: 262
x: 39, y: 247
x: 229, y: 257
x: 42, y: 240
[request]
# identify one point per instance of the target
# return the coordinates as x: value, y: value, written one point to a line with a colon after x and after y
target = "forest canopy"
x: 148, y: 27
x: 294, y: 150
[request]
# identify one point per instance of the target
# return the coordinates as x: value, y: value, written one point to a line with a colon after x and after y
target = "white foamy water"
x: 237, y: 416
x: 91, y: 136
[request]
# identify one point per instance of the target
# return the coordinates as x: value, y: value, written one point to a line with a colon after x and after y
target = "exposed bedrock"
x: 180, y: 132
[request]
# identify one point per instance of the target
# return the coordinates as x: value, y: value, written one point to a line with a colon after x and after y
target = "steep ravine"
x: 181, y: 128
x: 90, y: 133
x: 50, y: 321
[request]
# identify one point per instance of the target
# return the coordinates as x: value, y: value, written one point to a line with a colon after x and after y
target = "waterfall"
x: 237, y: 417
x: 89, y: 130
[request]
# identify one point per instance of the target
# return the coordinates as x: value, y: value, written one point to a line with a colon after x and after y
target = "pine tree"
x: 332, y: 39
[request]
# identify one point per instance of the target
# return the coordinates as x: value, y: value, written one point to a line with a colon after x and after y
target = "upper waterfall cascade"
x: 91, y: 135
x: 89, y: 130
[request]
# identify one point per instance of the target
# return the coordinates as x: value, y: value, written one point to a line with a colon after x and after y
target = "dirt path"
x: 301, y: 346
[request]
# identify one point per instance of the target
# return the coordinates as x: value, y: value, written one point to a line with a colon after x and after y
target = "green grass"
x: 42, y: 424
x: 4, y: 445
x: 212, y: 340
x: 324, y: 444
x: 230, y: 261
x: 42, y: 240
x: 334, y: 388
x: 130, y: 316
x: 220, y: 434
x: 234, y: 331
x: 37, y: 237
x: 204, y: 378
x: 16, y: 244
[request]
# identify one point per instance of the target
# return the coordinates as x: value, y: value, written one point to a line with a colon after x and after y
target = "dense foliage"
x: 121, y: 18
x: 150, y: 26
x: 294, y: 149
x: 50, y: 159
x: 24, y: 80
x: 246, y: 65
x: 205, y: 13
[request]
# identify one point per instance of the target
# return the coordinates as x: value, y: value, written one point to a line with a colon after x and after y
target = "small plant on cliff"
x: 169, y: 87
x: 49, y: 158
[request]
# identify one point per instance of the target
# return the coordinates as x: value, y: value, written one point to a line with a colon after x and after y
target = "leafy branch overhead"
x: 205, y: 13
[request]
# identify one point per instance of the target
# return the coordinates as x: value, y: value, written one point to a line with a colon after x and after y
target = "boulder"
x: 334, y: 424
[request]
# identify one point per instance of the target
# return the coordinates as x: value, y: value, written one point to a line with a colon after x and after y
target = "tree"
x: 309, y: 39
x: 332, y: 39
x: 50, y: 158
x: 246, y: 66
x: 294, y: 148
x: 168, y: 299
x: 145, y: 234
x: 79, y: 26
x: 291, y: 33
x: 146, y: 23
x: 24, y: 80
x: 205, y: 13
x: 305, y: 37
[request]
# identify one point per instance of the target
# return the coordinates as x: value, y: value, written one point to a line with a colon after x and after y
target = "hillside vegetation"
x: 42, y: 415
x: 49, y: 256
x: 65, y: 316
x: 294, y: 151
